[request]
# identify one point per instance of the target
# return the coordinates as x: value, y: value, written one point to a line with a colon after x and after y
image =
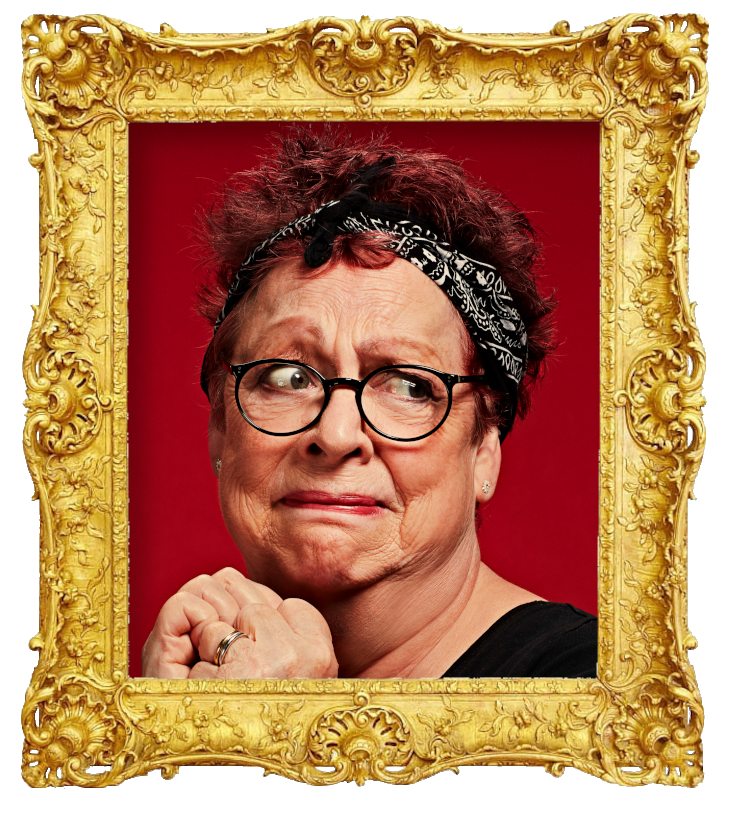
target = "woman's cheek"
x: 245, y: 505
x: 438, y: 494
x: 419, y: 522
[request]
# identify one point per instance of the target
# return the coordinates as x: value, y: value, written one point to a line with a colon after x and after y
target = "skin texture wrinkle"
x: 399, y: 589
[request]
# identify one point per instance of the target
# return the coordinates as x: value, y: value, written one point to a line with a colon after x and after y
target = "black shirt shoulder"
x: 537, y: 639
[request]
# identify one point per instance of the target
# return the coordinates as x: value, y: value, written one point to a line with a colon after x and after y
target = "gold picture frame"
x: 86, y: 722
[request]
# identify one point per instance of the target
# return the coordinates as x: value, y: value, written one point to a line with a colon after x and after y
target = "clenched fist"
x: 285, y: 638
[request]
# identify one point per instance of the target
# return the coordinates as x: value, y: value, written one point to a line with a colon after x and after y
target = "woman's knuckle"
x: 199, y: 671
x: 228, y: 575
x: 209, y: 625
x: 249, y: 614
x: 295, y: 602
x: 199, y: 581
x: 176, y: 602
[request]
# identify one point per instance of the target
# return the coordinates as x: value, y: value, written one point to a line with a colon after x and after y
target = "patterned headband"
x: 475, y: 288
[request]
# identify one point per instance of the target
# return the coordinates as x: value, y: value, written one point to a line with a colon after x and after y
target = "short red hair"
x: 310, y: 166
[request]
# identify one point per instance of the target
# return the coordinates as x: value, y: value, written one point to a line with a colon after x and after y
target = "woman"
x: 377, y: 329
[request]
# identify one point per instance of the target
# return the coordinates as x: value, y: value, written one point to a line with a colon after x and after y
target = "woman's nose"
x: 340, y: 432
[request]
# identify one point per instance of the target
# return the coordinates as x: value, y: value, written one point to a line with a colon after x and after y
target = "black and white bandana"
x: 475, y: 288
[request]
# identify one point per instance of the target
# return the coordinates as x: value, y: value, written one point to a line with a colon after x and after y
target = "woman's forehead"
x: 396, y: 305
x: 290, y: 285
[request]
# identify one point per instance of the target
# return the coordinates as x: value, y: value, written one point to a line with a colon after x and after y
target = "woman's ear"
x: 487, y: 466
x: 216, y: 441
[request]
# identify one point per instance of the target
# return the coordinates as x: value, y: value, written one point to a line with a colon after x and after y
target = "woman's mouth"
x: 328, y: 502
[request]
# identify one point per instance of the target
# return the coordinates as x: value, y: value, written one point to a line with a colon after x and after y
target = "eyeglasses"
x: 281, y: 397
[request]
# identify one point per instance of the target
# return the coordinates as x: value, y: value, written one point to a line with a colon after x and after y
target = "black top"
x: 533, y: 640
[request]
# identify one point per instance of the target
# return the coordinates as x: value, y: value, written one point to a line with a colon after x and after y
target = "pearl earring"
x: 218, y: 465
x: 486, y: 487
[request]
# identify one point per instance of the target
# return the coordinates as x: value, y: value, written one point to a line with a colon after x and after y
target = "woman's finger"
x: 203, y: 670
x: 244, y: 590
x: 213, y: 592
x: 304, y: 618
x: 280, y: 651
x: 167, y: 661
x: 263, y: 623
x: 212, y: 635
x: 169, y: 652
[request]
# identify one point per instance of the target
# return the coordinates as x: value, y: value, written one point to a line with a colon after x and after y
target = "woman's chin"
x: 333, y: 553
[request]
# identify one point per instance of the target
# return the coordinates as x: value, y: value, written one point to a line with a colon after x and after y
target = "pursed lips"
x: 353, y: 504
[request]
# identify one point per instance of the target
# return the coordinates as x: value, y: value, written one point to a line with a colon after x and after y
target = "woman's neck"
x: 417, y: 626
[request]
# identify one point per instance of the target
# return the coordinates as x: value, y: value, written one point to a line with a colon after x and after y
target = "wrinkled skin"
x: 399, y: 590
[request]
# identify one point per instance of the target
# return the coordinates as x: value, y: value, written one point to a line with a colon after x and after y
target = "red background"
x: 539, y: 531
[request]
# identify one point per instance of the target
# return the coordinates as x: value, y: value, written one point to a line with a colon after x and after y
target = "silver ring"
x: 224, y: 646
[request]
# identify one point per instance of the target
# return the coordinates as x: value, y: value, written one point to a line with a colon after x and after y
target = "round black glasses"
x: 282, y: 397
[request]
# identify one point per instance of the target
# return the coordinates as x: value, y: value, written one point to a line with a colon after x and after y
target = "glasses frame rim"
x: 357, y: 385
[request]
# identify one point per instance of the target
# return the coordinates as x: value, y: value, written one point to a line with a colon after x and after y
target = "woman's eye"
x: 408, y: 387
x: 287, y: 377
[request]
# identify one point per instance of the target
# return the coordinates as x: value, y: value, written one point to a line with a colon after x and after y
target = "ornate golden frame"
x: 86, y: 721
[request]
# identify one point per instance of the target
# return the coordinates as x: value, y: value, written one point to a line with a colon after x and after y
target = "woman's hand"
x: 285, y: 638
x: 290, y: 641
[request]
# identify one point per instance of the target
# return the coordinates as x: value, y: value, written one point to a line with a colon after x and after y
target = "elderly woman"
x: 376, y: 330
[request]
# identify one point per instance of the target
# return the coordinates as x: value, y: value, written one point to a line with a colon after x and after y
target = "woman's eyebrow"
x: 280, y: 348
x: 395, y: 348
x: 279, y: 339
x: 297, y: 323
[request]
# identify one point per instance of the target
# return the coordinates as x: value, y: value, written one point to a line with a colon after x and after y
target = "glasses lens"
x: 405, y: 402
x: 280, y: 397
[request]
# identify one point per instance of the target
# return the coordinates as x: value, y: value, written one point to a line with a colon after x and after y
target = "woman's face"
x: 411, y: 504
